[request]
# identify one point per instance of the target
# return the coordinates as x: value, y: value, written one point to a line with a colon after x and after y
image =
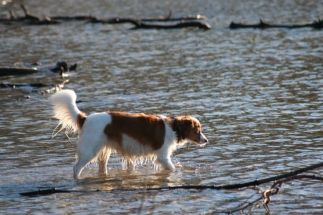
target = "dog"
x: 136, y: 136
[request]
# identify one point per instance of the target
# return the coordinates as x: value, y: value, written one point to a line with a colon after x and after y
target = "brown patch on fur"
x: 186, y: 127
x: 149, y: 130
x: 80, y: 120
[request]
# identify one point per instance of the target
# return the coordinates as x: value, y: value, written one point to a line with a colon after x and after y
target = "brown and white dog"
x: 134, y: 135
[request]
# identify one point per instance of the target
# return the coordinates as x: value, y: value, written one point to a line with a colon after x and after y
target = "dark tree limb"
x: 44, y: 192
x: 35, y: 85
x: 118, y: 20
x: 246, y: 184
x: 265, y: 195
x: 17, y: 71
x: 139, y: 24
x: 169, y: 19
x: 60, y: 67
x: 77, y: 17
x: 200, y: 25
x: 232, y: 186
x: 185, y: 22
x: 318, y: 24
x: 50, y: 191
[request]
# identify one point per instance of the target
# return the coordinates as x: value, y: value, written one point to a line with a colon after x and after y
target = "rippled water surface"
x: 257, y: 93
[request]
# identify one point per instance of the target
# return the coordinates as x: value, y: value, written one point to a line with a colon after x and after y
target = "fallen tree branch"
x: 139, y: 23
x: 246, y: 184
x: 35, y: 85
x: 266, y: 194
x: 317, y: 24
x: 225, y: 187
x: 60, y: 67
x: 32, y: 19
x: 118, y: 20
x: 200, y: 25
x: 77, y: 17
x: 44, y: 192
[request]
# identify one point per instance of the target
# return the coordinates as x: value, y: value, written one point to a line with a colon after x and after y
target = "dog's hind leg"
x: 103, y: 160
x: 88, y: 149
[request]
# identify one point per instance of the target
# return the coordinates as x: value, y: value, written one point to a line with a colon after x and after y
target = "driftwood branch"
x: 262, y: 201
x: 118, y: 20
x: 246, y: 184
x: 318, y: 24
x: 201, y: 25
x: 184, y: 22
x: 265, y: 195
x: 60, y: 67
x: 142, y: 23
x: 226, y: 187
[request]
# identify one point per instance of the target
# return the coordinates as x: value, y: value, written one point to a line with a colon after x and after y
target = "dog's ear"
x: 182, y: 127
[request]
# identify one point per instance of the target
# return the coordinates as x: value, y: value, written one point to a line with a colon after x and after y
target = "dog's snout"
x: 203, y: 138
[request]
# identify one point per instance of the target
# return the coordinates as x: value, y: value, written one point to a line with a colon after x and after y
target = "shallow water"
x: 257, y: 93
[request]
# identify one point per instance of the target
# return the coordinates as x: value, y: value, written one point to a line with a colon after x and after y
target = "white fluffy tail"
x: 65, y: 109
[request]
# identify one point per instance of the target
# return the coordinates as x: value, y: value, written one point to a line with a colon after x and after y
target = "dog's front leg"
x: 166, y: 163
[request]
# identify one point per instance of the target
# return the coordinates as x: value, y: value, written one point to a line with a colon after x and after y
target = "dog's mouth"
x: 201, y: 144
x: 202, y: 141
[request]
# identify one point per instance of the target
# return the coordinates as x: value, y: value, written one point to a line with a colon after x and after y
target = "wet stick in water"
x: 225, y: 187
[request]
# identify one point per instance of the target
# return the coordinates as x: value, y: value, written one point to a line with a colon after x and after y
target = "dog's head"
x: 188, y: 128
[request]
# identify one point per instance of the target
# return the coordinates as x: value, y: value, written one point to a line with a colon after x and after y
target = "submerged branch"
x: 246, y: 184
x: 317, y: 24
x: 184, y: 22
x: 60, y: 67
x: 139, y: 23
x: 225, y: 187
x: 265, y: 195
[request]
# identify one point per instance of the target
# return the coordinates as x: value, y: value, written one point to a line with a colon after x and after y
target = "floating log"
x: 17, y: 71
x: 94, y: 19
x: 52, y: 191
x: 318, y: 24
x: 60, y: 67
x: 213, y: 187
x: 200, y: 25
x: 44, y: 192
x: 139, y: 24
x: 36, y: 85
x: 32, y: 19
x: 69, y: 18
x: 118, y: 20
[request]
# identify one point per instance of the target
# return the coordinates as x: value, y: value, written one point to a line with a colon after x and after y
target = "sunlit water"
x: 257, y: 93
